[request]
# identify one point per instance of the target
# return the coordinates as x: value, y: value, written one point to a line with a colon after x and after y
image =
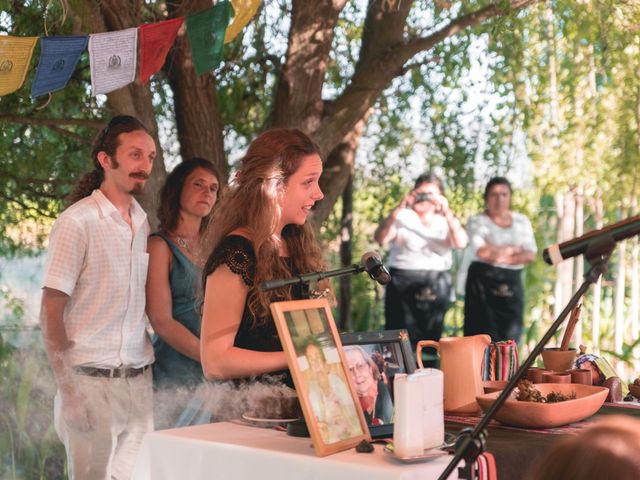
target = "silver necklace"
x: 195, y: 254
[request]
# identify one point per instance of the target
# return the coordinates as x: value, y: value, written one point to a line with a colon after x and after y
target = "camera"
x: 423, y: 197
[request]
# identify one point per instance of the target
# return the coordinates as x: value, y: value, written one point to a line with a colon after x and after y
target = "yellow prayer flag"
x: 244, y: 12
x: 15, y: 57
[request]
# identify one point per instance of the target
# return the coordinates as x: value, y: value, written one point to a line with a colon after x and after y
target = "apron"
x: 494, y: 302
x: 417, y: 300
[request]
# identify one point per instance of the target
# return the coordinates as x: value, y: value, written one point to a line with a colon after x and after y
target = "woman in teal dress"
x: 176, y: 258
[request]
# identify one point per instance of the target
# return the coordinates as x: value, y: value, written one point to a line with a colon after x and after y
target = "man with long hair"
x: 93, y: 303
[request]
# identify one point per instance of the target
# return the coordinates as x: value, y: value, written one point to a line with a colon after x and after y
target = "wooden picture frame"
x: 377, y: 357
x: 327, y: 396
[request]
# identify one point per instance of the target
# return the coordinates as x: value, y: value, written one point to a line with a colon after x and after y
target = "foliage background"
x: 548, y: 96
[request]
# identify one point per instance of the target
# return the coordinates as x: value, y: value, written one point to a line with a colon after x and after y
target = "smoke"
x: 224, y: 401
x: 29, y: 442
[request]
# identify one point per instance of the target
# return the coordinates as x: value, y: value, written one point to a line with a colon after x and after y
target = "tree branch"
x: 78, y: 122
x: 40, y: 212
x: 25, y: 183
x: 54, y: 125
x: 420, y: 44
x: 381, y: 62
x: 412, y: 66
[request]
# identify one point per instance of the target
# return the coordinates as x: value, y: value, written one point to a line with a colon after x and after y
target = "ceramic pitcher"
x: 461, y: 363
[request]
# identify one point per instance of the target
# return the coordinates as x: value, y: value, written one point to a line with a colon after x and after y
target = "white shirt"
x: 482, y: 230
x: 97, y: 259
x: 418, y: 247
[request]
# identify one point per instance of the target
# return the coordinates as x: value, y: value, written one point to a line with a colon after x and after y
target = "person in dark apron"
x: 421, y: 232
x: 501, y: 244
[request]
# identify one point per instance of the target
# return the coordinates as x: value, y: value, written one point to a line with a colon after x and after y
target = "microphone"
x: 371, y: 263
x: 374, y: 267
x: 617, y: 231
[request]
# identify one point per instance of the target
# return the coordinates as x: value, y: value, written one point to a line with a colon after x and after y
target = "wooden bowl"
x: 546, y: 415
x: 558, y: 360
x: 494, y: 385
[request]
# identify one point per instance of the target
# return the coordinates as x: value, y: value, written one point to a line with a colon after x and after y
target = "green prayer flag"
x: 206, y: 31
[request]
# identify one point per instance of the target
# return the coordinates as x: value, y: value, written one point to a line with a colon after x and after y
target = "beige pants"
x: 123, y: 410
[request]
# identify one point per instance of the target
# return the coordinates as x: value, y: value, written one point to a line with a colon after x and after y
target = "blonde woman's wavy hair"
x: 251, y: 202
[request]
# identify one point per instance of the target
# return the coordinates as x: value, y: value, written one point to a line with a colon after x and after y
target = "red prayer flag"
x: 155, y: 41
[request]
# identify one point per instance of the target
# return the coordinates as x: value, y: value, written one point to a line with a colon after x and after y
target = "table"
x: 516, y: 450
x: 229, y: 450
x: 239, y: 452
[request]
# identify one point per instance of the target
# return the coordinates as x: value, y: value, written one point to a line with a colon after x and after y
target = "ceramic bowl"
x: 546, y: 415
x: 494, y: 385
x: 558, y: 360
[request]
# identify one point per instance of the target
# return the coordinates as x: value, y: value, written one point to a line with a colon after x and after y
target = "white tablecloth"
x: 239, y: 452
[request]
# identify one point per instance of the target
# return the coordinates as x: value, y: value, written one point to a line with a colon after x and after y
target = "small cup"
x: 581, y: 375
x: 556, y: 377
x: 534, y: 374
x: 558, y: 360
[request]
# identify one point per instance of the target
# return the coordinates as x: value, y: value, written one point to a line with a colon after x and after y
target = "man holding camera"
x: 421, y: 232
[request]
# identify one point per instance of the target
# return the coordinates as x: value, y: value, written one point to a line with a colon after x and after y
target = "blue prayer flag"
x: 58, y: 58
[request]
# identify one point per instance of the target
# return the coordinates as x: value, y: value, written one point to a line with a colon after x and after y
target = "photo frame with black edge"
x: 389, y: 352
x: 328, y: 398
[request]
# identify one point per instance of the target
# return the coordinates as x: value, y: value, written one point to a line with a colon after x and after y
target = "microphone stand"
x: 311, y: 277
x: 471, y: 442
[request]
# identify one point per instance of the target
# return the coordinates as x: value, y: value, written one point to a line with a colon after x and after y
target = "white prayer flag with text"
x: 112, y: 56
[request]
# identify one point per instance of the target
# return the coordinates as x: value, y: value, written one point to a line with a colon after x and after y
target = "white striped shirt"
x: 101, y: 263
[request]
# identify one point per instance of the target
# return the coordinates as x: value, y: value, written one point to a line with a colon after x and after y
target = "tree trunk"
x: 579, y: 270
x: 553, y: 71
x: 299, y: 94
x: 597, y: 288
x: 618, y: 306
x: 635, y: 246
x: 196, y: 107
x: 634, y: 304
x: 565, y: 205
x: 338, y: 167
x: 346, y: 255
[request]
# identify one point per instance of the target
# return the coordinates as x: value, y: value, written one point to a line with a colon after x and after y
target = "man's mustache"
x: 140, y: 175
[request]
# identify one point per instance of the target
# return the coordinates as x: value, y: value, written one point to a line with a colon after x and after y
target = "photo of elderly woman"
x: 371, y: 382
x: 373, y: 359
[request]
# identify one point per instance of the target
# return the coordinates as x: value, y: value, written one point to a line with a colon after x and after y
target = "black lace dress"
x: 259, y: 334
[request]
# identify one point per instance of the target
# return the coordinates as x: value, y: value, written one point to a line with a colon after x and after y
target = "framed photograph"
x: 373, y: 359
x: 327, y: 396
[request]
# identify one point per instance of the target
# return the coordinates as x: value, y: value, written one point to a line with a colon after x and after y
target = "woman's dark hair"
x: 105, y: 141
x: 169, y: 197
x: 429, y: 177
x: 496, y: 181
